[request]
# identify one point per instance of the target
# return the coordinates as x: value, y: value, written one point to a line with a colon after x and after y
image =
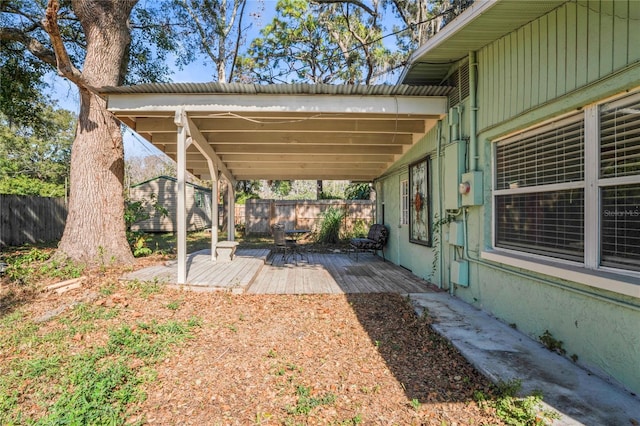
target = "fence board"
x: 26, y: 219
x: 260, y: 215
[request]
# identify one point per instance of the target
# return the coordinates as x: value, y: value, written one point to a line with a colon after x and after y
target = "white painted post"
x: 214, y: 212
x: 181, y: 219
x: 231, y: 219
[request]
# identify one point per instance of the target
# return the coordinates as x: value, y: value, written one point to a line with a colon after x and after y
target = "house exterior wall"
x: 198, y: 216
x: 556, y: 55
x: 417, y: 258
x: 580, y: 53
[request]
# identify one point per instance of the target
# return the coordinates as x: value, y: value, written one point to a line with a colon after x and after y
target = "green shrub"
x: 331, y: 222
x: 358, y: 191
x: 360, y: 228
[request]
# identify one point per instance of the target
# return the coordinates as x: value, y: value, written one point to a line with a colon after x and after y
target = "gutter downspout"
x: 473, y: 119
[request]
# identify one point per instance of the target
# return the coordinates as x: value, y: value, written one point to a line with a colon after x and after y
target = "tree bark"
x: 95, y: 228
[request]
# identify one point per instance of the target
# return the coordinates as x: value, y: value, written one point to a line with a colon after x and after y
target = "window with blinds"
x: 620, y: 204
x: 620, y: 138
x: 546, y: 201
x: 548, y: 220
x: 545, y: 223
x: 550, y: 155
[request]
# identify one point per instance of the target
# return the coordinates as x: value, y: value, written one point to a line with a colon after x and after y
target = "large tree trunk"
x: 95, y: 228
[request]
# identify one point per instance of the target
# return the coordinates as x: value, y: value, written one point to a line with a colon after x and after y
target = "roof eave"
x: 438, y: 51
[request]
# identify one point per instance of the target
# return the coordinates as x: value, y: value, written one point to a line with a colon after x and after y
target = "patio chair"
x: 282, y: 244
x: 375, y: 240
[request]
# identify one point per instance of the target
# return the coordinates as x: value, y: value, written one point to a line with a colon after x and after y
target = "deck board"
x: 256, y: 271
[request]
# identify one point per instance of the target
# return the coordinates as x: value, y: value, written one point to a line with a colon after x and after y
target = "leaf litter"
x: 266, y: 359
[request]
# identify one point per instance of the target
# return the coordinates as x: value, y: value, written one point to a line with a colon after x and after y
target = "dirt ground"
x: 284, y: 359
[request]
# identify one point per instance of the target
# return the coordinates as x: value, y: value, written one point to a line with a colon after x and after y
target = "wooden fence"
x: 260, y: 215
x: 25, y: 219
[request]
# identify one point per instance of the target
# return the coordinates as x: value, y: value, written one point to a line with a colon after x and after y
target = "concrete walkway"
x: 502, y: 353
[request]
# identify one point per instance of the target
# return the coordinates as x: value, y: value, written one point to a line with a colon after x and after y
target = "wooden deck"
x: 202, y: 274
x: 254, y: 271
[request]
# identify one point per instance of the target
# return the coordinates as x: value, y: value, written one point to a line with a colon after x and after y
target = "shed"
x: 164, y: 189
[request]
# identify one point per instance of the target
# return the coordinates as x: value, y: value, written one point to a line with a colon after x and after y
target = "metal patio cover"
x: 282, y: 131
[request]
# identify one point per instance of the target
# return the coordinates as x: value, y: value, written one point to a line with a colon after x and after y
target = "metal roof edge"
x: 278, y: 89
x: 470, y: 14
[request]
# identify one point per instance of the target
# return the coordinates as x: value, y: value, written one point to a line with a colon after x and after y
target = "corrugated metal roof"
x: 279, y: 89
x: 482, y: 23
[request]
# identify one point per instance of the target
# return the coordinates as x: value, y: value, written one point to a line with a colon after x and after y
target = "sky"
x: 67, y: 96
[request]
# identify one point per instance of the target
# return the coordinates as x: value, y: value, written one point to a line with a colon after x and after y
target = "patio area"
x: 256, y: 271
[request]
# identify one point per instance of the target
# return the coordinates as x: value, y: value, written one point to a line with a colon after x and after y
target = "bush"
x: 331, y: 221
x: 360, y: 229
x: 358, y: 191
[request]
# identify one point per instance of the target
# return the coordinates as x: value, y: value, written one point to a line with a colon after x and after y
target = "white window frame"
x: 589, y: 272
x: 404, y: 202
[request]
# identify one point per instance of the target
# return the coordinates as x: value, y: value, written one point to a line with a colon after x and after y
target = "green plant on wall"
x: 435, y: 240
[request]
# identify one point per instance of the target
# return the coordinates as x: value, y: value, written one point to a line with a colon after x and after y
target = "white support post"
x: 181, y: 219
x: 214, y: 208
x: 231, y: 219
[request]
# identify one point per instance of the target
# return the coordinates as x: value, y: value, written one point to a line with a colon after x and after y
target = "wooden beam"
x: 155, y: 125
x: 317, y: 138
x: 299, y: 158
x: 307, y: 165
x: 308, y: 176
x: 257, y: 150
x: 310, y: 125
x: 315, y: 104
x: 310, y: 171
x: 285, y: 138
x: 207, y: 150
x: 307, y: 149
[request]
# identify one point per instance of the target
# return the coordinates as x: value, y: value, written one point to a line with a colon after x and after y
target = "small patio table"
x: 295, y: 235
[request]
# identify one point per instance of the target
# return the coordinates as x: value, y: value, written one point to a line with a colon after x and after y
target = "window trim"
x: 404, y: 202
x: 589, y: 272
x: 603, y: 278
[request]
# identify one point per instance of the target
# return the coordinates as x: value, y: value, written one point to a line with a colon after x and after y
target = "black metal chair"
x: 376, y: 240
x: 282, y: 244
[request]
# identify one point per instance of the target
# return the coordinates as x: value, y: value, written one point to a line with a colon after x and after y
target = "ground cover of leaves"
x: 244, y: 359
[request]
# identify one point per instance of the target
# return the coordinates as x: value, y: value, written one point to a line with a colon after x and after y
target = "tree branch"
x: 31, y: 44
x: 354, y: 2
x: 238, y: 39
x: 63, y: 62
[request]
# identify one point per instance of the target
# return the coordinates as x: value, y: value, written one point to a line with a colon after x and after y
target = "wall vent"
x: 460, y: 80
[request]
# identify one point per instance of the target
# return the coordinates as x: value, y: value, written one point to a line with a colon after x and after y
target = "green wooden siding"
x: 575, y: 45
